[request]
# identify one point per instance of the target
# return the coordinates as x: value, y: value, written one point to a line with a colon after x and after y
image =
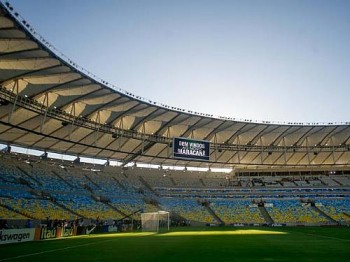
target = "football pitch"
x: 193, y: 244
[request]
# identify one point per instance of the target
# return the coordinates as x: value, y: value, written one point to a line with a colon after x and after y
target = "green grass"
x: 193, y: 244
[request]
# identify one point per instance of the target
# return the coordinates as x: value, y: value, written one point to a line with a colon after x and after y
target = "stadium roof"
x: 48, y: 102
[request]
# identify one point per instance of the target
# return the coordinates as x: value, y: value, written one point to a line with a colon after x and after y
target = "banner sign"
x: 47, y: 233
x: 16, y: 235
x: 189, y: 149
x: 67, y: 232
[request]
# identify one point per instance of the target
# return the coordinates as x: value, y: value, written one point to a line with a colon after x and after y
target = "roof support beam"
x: 57, y: 86
x: 100, y: 108
x: 123, y: 113
x: 157, y: 112
x: 217, y: 129
x: 19, y: 52
x: 28, y: 73
x: 288, y: 131
x: 324, y: 139
x: 304, y: 136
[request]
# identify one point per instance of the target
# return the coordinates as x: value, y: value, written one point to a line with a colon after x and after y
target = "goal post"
x: 152, y: 221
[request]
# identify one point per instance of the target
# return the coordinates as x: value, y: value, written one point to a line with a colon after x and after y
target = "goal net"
x: 153, y: 221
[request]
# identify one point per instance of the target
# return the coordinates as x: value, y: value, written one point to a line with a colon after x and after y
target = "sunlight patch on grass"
x: 130, y: 234
x: 220, y: 233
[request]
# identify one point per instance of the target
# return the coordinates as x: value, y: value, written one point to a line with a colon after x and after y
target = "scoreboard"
x: 189, y: 149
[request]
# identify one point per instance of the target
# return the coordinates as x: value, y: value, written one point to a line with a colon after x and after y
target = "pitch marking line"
x: 320, y: 236
x: 335, y: 238
x: 55, y: 250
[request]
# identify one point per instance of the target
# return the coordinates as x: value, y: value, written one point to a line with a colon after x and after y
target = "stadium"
x: 107, y: 174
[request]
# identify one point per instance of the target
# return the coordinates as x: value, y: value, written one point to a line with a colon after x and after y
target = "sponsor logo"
x: 48, y: 233
x: 13, y: 237
x: 66, y: 232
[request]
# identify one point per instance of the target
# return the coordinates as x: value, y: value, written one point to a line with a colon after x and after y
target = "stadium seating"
x: 42, y: 189
x: 336, y: 208
x: 8, y: 214
x: 39, y: 209
x: 188, y: 209
x: 294, y: 212
x: 85, y: 206
x: 127, y: 205
x: 237, y: 211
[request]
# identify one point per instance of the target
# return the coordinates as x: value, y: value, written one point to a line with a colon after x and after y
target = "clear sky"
x: 262, y: 60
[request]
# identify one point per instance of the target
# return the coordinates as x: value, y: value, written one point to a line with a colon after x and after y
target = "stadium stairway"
x: 176, y: 216
x: 173, y: 181
x: 23, y: 181
x: 337, y: 182
x: 130, y: 215
x: 116, y: 209
x: 214, y: 215
x: 30, y: 176
x: 266, y: 215
x: 202, y: 182
x: 18, y: 212
x: 322, y: 182
x: 66, y: 208
x: 89, y: 179
x: 63, y: 180
x: 331, y: 220
x: 119, y: 184
x: 124, y: 174
x: 148, y: 186
x: 88, y: 188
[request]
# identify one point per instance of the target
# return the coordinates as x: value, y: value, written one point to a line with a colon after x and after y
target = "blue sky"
x: 260, y: 60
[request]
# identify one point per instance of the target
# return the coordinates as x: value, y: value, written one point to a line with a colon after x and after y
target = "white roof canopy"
x: 47, y: 102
